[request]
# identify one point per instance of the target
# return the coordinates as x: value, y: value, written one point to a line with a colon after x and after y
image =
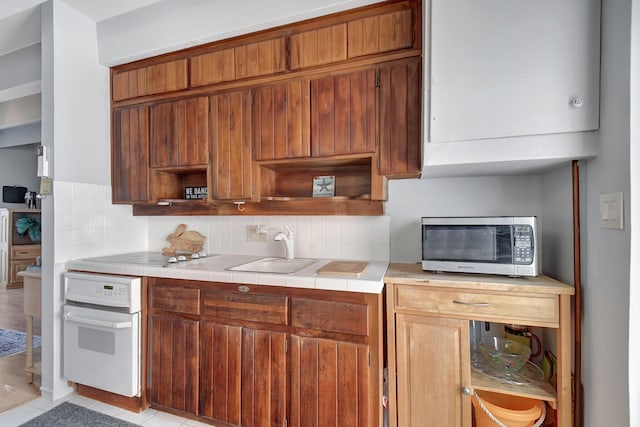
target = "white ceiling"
x: 97, y: 10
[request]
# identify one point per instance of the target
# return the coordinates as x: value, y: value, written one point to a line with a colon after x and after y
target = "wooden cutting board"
x: 343, y: 268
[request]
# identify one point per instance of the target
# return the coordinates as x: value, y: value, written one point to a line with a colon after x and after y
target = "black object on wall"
x: 13, y: 194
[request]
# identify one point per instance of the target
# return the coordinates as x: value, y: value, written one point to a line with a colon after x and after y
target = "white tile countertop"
x: 214, y: 269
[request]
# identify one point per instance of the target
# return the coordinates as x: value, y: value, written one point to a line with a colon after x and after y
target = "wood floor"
x: 14, y: 389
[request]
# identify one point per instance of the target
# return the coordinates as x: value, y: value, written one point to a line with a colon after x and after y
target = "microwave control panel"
x: 523, y: 244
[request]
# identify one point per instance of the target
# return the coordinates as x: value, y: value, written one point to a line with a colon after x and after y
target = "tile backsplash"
x: 87, y: 224
x: 336, y: 237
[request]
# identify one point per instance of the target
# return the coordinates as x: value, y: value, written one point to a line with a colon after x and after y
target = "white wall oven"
x: 102, y: 343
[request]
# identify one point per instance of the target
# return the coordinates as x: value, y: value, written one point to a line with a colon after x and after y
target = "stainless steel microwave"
x: 489, y: 245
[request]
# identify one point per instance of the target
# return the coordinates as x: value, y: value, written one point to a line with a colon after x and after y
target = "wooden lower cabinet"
x: 262, y: 356
x: 174, y: 363
x: 432, y: 368
x: 329, y: 383
x: 243, y: 375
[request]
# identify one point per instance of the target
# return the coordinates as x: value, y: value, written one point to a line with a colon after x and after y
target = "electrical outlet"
x: 257, y: 233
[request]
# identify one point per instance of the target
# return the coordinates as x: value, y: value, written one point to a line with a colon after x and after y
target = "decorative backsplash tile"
x: 336, y: 237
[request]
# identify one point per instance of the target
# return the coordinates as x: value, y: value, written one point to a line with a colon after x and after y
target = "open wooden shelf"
x: 170, y: 183
x: 542, y: 391
x: 291, y: 206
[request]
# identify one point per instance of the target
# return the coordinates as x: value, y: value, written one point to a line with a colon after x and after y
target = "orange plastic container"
x: 513, y: 411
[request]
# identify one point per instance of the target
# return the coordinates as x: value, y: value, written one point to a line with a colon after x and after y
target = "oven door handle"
x: 95, y: 322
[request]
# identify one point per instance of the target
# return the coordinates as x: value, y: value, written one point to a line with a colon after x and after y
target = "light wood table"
x: 32, y: 308
x: 430, y: 375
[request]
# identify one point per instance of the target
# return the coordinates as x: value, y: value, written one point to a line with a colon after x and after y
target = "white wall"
x: 605, y: 253
x: 18, y: 166
x: 557, y: 217
x: 82, y: 107
x: 177, y: 24
x: 78, y: 219
x: 634, y: 218
x: 411, y: 199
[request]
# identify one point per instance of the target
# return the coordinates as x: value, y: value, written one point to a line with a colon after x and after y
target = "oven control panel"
x: 104, y: 290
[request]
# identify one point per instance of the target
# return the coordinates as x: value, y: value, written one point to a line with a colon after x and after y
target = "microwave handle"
x: 473, y: 304
x: 69, y: 317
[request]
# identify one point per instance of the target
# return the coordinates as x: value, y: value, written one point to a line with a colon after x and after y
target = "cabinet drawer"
x: 527, y: 309
x: 171, y: 298
x: 24, y: 252
x: 330, y: 316
x: 247, y: 306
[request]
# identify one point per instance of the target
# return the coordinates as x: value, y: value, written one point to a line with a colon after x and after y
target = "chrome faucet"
x: 288, y: 242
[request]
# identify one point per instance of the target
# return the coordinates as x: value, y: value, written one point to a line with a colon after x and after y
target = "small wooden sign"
x: 195, y: 193
x: 324, y: 186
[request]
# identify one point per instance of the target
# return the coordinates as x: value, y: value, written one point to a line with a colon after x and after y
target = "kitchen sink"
x: 274, y: 265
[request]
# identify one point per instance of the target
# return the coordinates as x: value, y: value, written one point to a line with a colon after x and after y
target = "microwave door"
x: 461, y: 243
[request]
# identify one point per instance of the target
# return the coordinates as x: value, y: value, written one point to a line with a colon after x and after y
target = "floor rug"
x: 12, y: 342
x: 69, y: 415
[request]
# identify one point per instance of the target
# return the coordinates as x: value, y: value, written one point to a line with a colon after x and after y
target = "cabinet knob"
x: 243, y: 288
x: 577, y: 102
x: 466, y: 391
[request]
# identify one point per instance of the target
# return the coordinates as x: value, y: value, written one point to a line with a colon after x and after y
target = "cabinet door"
x: 130, y: 155
x: 501, y: 68
x: 240, y: 62
x: 343, y: 112
x: 432, y: 368
x: 281, y: 121
x: 158, y: 78
x: 400, y: 118
x: 319, y: 46
x: 381, y: 33
x: 180, y: 133
x: 231, y: 133
x: 174, y: 348
x: 330, y: 384
x: 243, y: 375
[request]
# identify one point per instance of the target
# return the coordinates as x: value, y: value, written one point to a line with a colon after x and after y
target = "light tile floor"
x: 147, y: 418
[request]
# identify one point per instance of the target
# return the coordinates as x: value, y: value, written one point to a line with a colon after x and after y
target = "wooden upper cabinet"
x: 240, y: 62
x: 231, y: 154
x: 281, y: 115
x: 318, y: 47
x: 158, y: 78
x: 380, y: 33
x: 130, y: 155
x: 343, y: 109
x: 400, y: 118
x: 180, y: 132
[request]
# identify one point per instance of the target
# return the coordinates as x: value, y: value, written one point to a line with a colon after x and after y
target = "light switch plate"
x: 611, y: 209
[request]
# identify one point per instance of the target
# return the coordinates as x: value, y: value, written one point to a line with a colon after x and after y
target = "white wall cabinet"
x: 501, y: 70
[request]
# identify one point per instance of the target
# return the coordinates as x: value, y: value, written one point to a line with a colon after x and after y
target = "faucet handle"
x: 289, y: 232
